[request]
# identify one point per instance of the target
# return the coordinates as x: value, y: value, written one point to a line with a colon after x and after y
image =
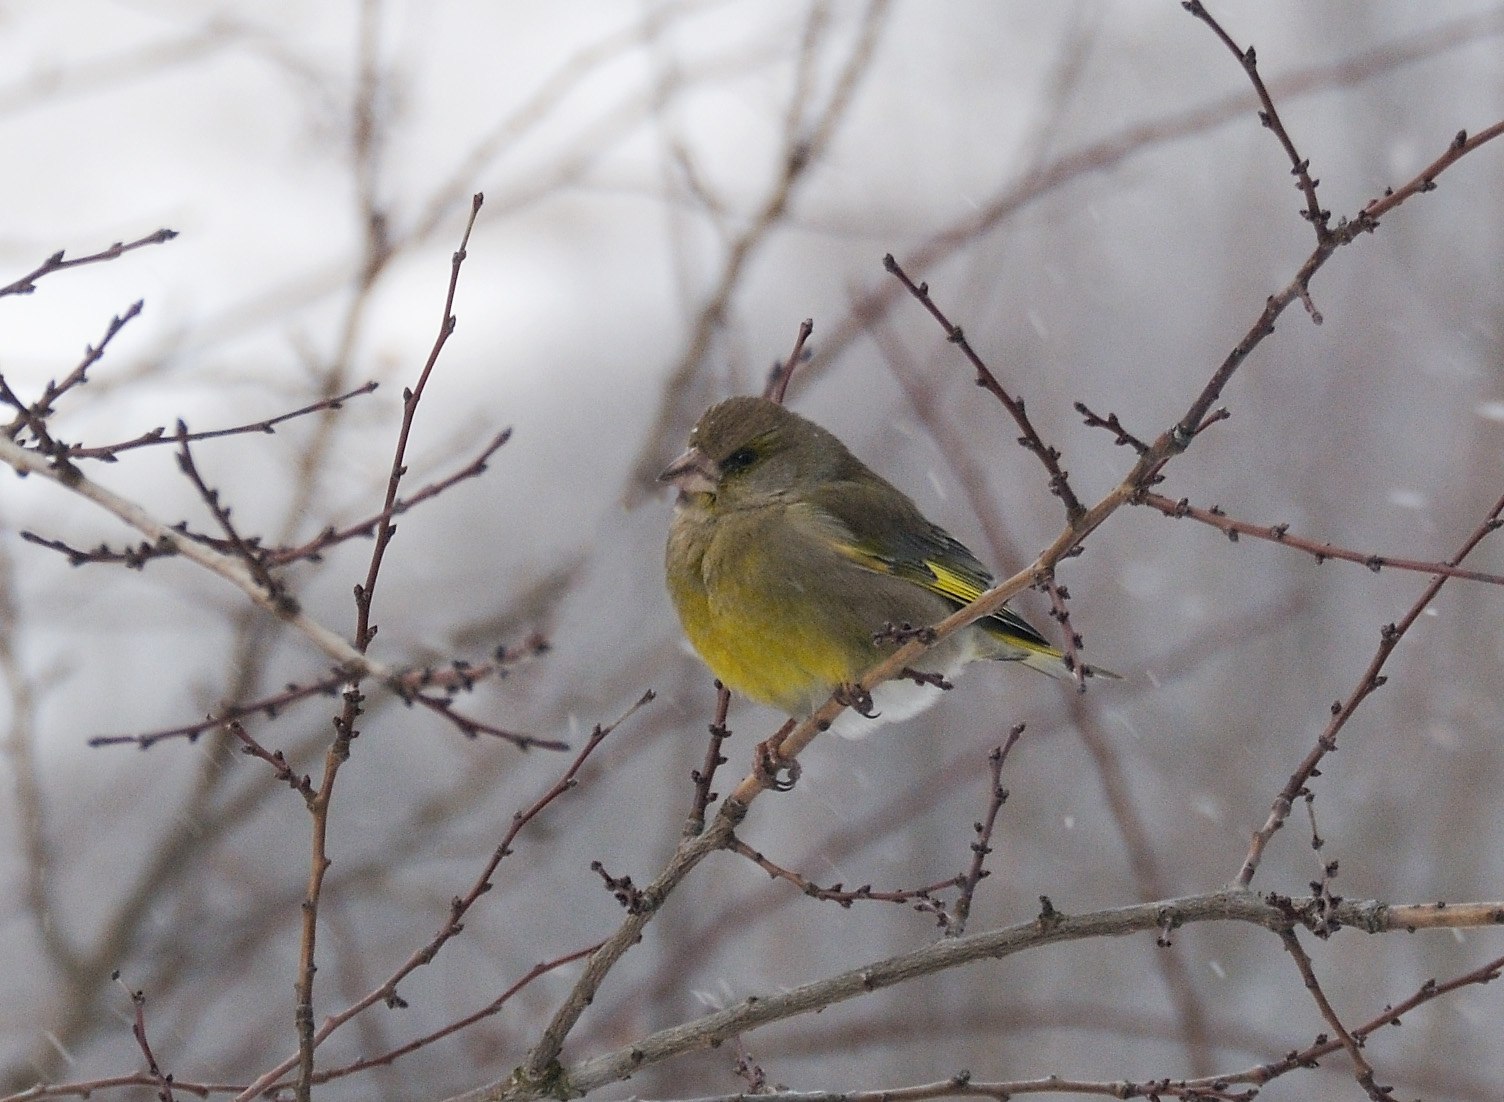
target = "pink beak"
x: 694, y: 472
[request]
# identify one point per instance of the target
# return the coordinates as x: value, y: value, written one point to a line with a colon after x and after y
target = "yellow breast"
x: 748, y: 616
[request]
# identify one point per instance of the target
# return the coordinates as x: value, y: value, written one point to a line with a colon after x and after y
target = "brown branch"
x: 345, y: 732
x: 1030, y: 440
x: 1269, y: 117
x: 332, y: 536
x: 135, y: 558
x: 489, y: 1010
x: 964, y: 1085
x: 387, y: 992
x: 28, y: 419
x: 229, y: 567
x: 803, y: 146
x: 1112, y: 425
x: 1390, y: 1016
x: 365, y: 631
x: 982, y: 847
x: 1362, y: 1069
x: 543, y: 1059
x: 1280, y: 533
x: 163, y: 1083
x: 33, y: 415
x: 778, y: 381
x: 1343, y: 710
x: 58, y: 261
x: 1050, y: 928
x: 1070, y: 640
x: 302, y: 785
x: 151, y: 437
x: 842, y: 895
x: 1461, y: 145
x: 239, y: 546
x: 1322, y: 888
x: 750, y: 1070
x: 88, y: 1088
x: 704, y: 776
x: 473, y: 728
x: 454, y: 677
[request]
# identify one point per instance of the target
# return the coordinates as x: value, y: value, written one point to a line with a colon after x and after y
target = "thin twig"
x: 982, y: 847
x: 332, y: 536
x: 778, y: 381
x: 453, y: 677
x: 39, y: 410
x: 302, y: 785
x: 1112, y: 425
x: 704, y: 776
x: 58, y: 261
x: 138, y: 1031
x: 387, y: 991
x: 839, y: 893
x: 802, y: 150
x: 1462, y: 144
x: 151, y: 437
x: 365, y: 631
x: 1059, y: 481
x: 1343, y: 710
x: 1269, y: 117
x: 243, y: 550
x: 489, y: 1010
x: 1280, y: 533
x: 1070, y: 641
x: 1362, y: 1069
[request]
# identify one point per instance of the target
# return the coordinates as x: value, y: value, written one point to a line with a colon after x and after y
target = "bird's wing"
x: 893, y: 537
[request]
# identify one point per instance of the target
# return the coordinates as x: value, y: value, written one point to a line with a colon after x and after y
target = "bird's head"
x: 746, y: 451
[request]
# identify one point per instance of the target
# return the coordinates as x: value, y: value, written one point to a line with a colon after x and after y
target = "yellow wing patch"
x: 956, y: 586
x: 950, y: 584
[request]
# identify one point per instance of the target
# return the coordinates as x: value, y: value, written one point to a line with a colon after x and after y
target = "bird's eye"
x: 738, y: 460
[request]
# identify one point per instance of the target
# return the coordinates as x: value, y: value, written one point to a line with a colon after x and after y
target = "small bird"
x: 789, y: 561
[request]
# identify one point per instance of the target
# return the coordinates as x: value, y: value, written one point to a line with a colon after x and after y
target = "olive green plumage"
x: 787, y: 554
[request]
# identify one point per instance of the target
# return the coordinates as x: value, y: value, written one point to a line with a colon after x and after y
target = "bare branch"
x: 1280, y: 533
x: 58, y: 261
x: 1342, y: 710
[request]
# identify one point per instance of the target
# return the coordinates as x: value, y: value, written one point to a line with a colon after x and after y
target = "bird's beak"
x: 694, y: 472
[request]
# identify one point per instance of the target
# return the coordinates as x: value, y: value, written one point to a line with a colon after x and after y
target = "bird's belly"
x: 776, y: 664
x: 782, y: 619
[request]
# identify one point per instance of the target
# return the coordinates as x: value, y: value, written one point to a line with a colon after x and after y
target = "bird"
x: 794, y: 567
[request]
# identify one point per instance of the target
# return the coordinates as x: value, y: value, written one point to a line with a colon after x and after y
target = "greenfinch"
x: 788, y: 558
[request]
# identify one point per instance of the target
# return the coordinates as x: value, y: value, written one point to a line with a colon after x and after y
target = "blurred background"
x: 670, y: 189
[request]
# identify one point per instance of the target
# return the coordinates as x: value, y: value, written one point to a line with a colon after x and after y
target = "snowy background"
x: 1087, y: 190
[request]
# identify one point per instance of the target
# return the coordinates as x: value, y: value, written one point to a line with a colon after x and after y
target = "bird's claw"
x: 858, y: 699
x: 769, y: 765
x: 920, y: 677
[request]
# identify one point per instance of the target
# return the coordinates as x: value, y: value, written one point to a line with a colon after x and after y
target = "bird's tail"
x: 1052, y: 662
x: 1013, y: 639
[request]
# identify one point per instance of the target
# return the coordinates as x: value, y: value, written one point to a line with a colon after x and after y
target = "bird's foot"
x: 919, y: 677
x: 858, y: 699
x: 769, y: 766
